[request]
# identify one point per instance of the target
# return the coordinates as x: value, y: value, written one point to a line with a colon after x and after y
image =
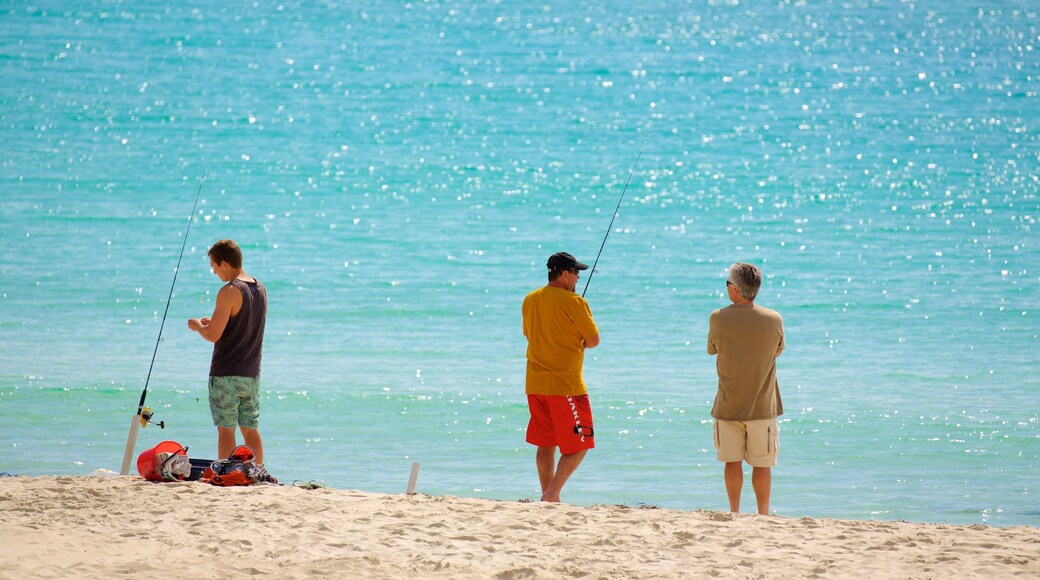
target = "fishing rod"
x: 144, y: 414
x: 616, y: 209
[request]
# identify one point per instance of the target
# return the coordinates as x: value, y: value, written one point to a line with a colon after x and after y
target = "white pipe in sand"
x: 413, y: 478
x: 131, y: 442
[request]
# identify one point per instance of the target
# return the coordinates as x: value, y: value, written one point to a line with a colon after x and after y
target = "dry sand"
x: 103, y: 527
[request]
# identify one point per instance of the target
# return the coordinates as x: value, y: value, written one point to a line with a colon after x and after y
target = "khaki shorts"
x: 756, y: 442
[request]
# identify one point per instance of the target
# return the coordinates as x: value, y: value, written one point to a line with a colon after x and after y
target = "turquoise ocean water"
x: 397, y: 174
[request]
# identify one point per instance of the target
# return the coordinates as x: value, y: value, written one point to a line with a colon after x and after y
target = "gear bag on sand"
x: 238, y: 469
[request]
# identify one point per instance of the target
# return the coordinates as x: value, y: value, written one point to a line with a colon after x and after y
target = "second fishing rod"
x: 144, y: 414
x: 606, y: 235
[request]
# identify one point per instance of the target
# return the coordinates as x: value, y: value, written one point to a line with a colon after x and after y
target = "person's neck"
x: 558, y: 284
x: 240, y: 275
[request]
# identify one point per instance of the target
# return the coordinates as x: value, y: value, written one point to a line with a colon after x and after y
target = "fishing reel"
x: 146, y: 418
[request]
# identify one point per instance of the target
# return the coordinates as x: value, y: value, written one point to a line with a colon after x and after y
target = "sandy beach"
x: 102, y: 527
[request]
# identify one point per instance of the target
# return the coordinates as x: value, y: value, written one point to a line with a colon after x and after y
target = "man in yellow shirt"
x: 559, y: 327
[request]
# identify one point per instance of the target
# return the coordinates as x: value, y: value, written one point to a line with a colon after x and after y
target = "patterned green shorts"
x: 235, y: 401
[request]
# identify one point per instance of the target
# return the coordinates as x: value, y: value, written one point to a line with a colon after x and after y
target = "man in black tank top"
x: 236, y: 329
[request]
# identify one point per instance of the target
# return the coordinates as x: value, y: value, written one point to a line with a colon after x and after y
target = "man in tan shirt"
x: 747, y: 339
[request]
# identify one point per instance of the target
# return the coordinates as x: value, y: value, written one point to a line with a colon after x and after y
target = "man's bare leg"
x: 568, y: 464
x: 225, y: 442
x: 546, y: 462
x: 762, y: 481
x: 252, y: 439
x: 734, y: 476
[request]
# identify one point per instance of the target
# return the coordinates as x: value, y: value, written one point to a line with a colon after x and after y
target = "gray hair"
x: 747, y: 278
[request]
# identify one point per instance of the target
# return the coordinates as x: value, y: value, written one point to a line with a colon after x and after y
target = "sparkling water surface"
x: 397, y: 174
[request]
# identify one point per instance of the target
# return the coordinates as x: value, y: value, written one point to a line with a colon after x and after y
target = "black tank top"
x: 237, y: 352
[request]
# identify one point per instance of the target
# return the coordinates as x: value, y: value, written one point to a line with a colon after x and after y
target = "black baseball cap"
x: 564, y: 261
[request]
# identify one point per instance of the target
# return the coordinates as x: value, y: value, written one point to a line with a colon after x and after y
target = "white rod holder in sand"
x: 131, y: 442
x: 413, y: 478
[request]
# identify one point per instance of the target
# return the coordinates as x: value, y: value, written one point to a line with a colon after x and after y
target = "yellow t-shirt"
x: 556, y: 323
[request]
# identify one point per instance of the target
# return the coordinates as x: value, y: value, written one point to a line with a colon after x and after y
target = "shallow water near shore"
x: 398, y: 174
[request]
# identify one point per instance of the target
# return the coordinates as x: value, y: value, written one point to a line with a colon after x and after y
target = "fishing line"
x: 616, y: 209
x: 158, y: 339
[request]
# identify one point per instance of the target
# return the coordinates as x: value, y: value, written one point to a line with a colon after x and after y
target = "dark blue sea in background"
x: 397, y: 174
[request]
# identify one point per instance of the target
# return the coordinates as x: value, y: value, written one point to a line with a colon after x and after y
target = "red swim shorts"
x: 560, y: 421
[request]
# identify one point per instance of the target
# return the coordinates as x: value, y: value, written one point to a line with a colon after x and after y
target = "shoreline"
x: 123, y: 526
